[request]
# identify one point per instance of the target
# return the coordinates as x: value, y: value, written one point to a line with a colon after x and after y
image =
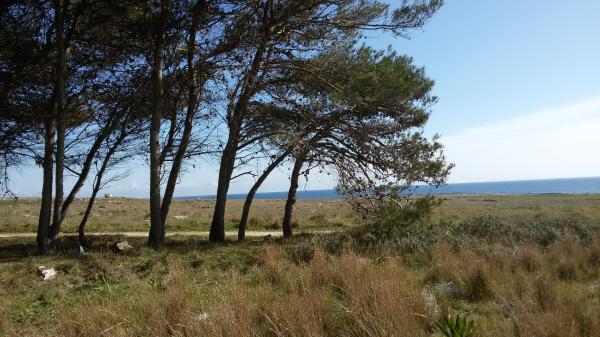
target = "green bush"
x: 458, y: 326
x: 301, y: 253
x: 411, y: 229
x: 408, y: 228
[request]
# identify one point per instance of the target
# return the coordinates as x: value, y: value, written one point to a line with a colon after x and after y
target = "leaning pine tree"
x: 358, y: 113
x: 280, y: 34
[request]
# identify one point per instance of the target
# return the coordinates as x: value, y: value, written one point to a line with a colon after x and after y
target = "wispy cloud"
x: 558, y: 142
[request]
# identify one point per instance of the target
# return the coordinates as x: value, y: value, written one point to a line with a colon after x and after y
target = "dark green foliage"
x: 407, y: 226
x: 410, y: 228
x: 458, y: 326
x: 542, y: 231
x: 415, y: 210
x: 302, y: 252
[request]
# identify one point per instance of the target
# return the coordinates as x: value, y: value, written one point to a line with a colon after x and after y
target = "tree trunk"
x: 60, y: 119
x: 189, y: 117
x: 98, y: 184
x: 217, y: 227
x: 46, y: 205
x: 157, y: 232
x: 291, y: 199
x: 87, y: 165
x: 252, y: 193
x: 82, y: 242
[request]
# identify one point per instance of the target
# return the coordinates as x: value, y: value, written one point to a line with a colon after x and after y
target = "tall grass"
x: 524, y: 290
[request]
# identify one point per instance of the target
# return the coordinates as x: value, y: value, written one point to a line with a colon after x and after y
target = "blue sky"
x: 518, y: 83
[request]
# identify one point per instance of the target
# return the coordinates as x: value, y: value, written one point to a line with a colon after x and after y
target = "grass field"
x: 130, y: 215
x: 492, y: 260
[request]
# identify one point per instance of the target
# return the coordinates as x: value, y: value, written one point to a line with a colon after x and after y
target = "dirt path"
x: 184, y: 233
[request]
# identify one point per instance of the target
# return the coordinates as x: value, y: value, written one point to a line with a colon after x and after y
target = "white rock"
x: 180, y: 217
x: 123, y: 246
x: 47, y: 273
x: 202, y: 316
x: 82, y: 251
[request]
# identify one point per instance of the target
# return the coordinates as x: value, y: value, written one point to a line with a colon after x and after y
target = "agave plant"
x: 458, y: 326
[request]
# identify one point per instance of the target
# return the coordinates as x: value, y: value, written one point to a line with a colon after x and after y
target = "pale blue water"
x: 546, y: 186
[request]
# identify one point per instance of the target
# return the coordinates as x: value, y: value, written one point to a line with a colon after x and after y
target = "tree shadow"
x: 67, y: 246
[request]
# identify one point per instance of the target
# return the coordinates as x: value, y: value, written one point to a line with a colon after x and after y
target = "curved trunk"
x: 291, y: 199
x: 189, y: 118
x: 252, y: 193
x: 217, y: 227
x: 98, y: 185
x: 87, y: 165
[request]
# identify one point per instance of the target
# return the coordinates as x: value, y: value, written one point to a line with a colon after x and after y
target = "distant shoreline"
x: 566, y: 186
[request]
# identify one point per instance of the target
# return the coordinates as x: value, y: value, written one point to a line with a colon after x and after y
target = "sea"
x: 517, y: 187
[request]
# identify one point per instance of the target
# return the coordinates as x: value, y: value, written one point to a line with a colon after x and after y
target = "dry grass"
x: 312, y: 285
x: 517, y: 208
x: 525, y: 291
x: 127, y: 215
x: 120, y: 214
x: 255, y: 289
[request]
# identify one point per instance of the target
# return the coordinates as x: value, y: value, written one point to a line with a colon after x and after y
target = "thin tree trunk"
x: 60, y: 119
x: 157, y: 233
x: 252, y: 193
x: 189, y: 117
x: 261, y: 179
x: 291, y: 199
x: 87, y: 165
x: 82, y: 242
x: 46, y: 205
x: 98, y: 185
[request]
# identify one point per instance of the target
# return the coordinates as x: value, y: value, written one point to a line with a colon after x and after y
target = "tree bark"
x: 189, y: 116
x: 46, y: 205
x: 217, y: 227
x: 60, y: 118
x: 252, y: 193
x: 291, y: 199
x: 157, y: 232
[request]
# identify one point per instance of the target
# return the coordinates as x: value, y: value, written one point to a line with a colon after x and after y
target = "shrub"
x: 302, y: 252
x: 406, y: 228
x: 458, y: 326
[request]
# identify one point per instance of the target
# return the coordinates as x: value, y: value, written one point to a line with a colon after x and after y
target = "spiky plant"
x: 459, y: 326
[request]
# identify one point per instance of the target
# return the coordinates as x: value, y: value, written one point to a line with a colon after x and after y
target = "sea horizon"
x: 578, y: 185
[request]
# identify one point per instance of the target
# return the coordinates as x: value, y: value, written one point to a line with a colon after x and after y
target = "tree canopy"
x: 86, y: 85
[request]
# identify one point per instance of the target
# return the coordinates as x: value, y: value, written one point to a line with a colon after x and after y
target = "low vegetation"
x: 505, y: 278
x: 132, y: 215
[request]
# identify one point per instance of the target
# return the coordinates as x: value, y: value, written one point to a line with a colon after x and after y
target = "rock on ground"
x: 47, y: 273
x: 123, y: 246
